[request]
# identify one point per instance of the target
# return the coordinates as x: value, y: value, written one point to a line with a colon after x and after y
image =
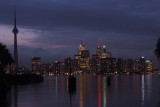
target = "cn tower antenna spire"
x: 14, y: 11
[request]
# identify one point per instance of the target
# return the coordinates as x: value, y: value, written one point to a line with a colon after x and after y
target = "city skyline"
x: 101, y: 62
x: 55, y: 34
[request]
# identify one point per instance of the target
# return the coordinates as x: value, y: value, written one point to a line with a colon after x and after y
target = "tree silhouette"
x: 5, y: 58
x: 157, y: 50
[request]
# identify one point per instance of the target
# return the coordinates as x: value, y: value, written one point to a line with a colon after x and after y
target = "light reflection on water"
x: 91, y: 91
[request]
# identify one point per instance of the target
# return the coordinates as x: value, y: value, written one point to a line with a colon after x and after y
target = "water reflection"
x: 71, y: 87
x: 143, y: 90
x: 146, y: 88
x: 96, y: 91
x: 83, y: 88
x: 99, y: 91
x: 104, y: 90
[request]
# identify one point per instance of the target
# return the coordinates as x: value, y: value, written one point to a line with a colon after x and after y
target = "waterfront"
x: 91, y: 91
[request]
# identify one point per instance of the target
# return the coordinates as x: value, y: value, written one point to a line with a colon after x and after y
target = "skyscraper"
x: 137, y: 65
x: 68, y: 64
x: 36, y: 65
x: 130, y: 65
x: 142, y: 64
x: 95, y: 64
x: 15, y: 32
x: 85, y: 60
x: 148, y: 64
x: 81, y: 48
x: 105, y: 54
x: 120, y: 65
x: 98, y: 52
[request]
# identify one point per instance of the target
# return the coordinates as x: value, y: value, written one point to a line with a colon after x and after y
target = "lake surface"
x: 91, y: 91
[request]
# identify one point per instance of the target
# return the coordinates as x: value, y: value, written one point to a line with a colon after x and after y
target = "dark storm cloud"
x: 127, y: 27
x: 136, y: 17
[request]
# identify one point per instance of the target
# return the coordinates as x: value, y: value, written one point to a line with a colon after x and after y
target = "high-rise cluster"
x: 101, y: 62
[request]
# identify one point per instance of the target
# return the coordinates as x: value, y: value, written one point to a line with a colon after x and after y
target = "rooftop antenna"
x: 82, y: 43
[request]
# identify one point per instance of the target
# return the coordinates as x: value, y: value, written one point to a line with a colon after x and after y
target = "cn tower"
x: 15, y: 32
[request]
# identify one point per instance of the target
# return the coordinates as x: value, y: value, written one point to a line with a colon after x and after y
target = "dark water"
x: 91, y: 91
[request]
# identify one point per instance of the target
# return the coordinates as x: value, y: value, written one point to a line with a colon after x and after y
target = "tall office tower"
x: 36, y: 65
x: 105, y: 54
x: 15, y: 32
x: 148, y: 64
x: 105, y: 65
x: 81, y: 48
x: 108, y: 65
x: 75, y: 65
x: 98, y: 52
x: 95, y: 64
x: 62, y: 67
x: 85, y: 60
x: 56, y: 67
x: 142, y: 64
x: 120, y: 65
x: 137, y: 66
x: 68, y: 64
x: 113, y: 67
x: 130, y: 65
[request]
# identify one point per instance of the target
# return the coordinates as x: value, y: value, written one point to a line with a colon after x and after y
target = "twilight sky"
x: 52, y: 29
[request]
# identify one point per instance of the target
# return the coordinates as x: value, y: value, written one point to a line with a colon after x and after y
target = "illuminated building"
x: 46, y: 69
x: 75, y: 65
x: 36, y: 65
x: 130, y: 65
x: 77, y: 56
x: 85, y: 60
x: 105, y: 54
x: 102, y: 62
x: 81, y: 48
x: 22, y: 70
x: 113, y: 65
x: 95, y: 64
x: 137, y: 65
x: 10, y: 69
x: 56, y: 67
x: 62, y: 67
x: 105, y: 65
x: 142, y: 64
x: 67, y: 63
x: 120, y: 65
x: 148, y: 65
x: 108, y: 65
x: 98, y: 52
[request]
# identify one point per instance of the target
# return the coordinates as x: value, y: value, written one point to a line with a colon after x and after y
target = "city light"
x: 102, y: 62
